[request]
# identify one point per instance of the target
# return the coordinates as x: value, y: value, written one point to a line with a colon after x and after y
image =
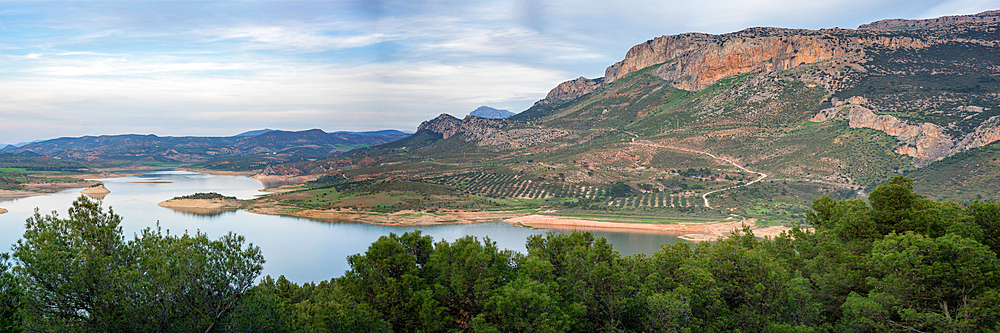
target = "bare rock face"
x: 574, y: 88
x: 989, y: 16
x: 986, y: 133
x: 695, y: 61
x: 927, y: 142
x: 492, y: 132
x: 445, y: 124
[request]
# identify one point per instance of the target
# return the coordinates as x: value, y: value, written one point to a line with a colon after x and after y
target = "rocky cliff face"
x: 490, y: 132
x: 990, y: 16
x: 574, y: 88
x: 445, y: 124
x: 986, y: 133
x: 926, y: 142
x: 693, y: 61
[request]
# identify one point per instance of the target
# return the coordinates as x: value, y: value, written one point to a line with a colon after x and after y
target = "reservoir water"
x: 303, y: 250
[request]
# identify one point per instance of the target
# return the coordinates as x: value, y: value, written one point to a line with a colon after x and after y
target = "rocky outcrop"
x: 490, y: 132
x: 927, y: 142
x: 986, y: 133
x: 695, y: 61
x: 574, y: 88
x: 445, y: 124
x: 989, y: 16
x: 96, y: 189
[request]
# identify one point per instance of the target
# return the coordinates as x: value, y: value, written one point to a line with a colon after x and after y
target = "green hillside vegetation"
x: 898, y: 262
x: 965, y: 177
x: 18, y: 169
x: 643, y: 132
x: 757, y: 119
x: 206, y: 196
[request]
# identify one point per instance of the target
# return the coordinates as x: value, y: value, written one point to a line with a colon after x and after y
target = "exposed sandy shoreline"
x: 405, y: 217
x: 202, y: 206
x: 220, y: 173
x: 2, y: 211
x: 688, y: 231
x: 44, y: 187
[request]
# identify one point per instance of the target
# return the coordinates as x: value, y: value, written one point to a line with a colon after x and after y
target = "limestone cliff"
x: 574, y: 88
x: 490, y: 132
x: 986, y: 133
x: 693, y: 61
x: 926, y: 142
x: 989, y: 16
x: 445, y: 124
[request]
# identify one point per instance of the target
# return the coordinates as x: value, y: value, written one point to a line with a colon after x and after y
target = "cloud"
x: 961, y: 7
x: 219, y: 68
x: 290, y: 39
x: 116, y: 95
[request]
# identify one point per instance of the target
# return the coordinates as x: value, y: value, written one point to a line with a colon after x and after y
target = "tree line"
x: 892, y: 262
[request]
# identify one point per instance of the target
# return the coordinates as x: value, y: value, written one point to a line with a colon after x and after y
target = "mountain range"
x: 280, y: 146
x: 755, y: 122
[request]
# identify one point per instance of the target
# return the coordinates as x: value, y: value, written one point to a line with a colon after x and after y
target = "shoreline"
x: 44, y: 187
x: 219, y: 172
x: 693, y: 232
x: 400, y: 218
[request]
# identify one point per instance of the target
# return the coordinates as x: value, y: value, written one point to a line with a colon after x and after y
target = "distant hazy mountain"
x: 488, y: 112
x: 254, y: 133
x: 152, y: 148
x: 381, y: 132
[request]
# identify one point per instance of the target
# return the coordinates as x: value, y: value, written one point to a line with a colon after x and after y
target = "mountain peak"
x: 254, y: 133
x: 488, y: 112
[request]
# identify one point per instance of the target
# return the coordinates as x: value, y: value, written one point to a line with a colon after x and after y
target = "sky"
x: 196, y: 68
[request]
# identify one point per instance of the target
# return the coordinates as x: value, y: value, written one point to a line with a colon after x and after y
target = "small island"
x: 203, y: 203
x: 96, y: 189
x: 3, y: 211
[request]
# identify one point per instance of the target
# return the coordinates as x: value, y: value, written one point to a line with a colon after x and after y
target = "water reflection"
x: 301, y: 249
x: 98, y: 196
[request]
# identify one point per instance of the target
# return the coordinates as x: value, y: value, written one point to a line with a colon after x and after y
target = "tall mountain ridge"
x: 763, y: 117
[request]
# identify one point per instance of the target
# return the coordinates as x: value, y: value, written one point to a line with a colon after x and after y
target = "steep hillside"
x: 967, y: 176
x: 756, y: 122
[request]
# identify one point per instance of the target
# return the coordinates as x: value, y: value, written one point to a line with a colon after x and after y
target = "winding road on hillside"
x: 705, y: 196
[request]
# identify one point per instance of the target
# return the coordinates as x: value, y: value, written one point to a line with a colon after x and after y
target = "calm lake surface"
x: 303, y: 250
